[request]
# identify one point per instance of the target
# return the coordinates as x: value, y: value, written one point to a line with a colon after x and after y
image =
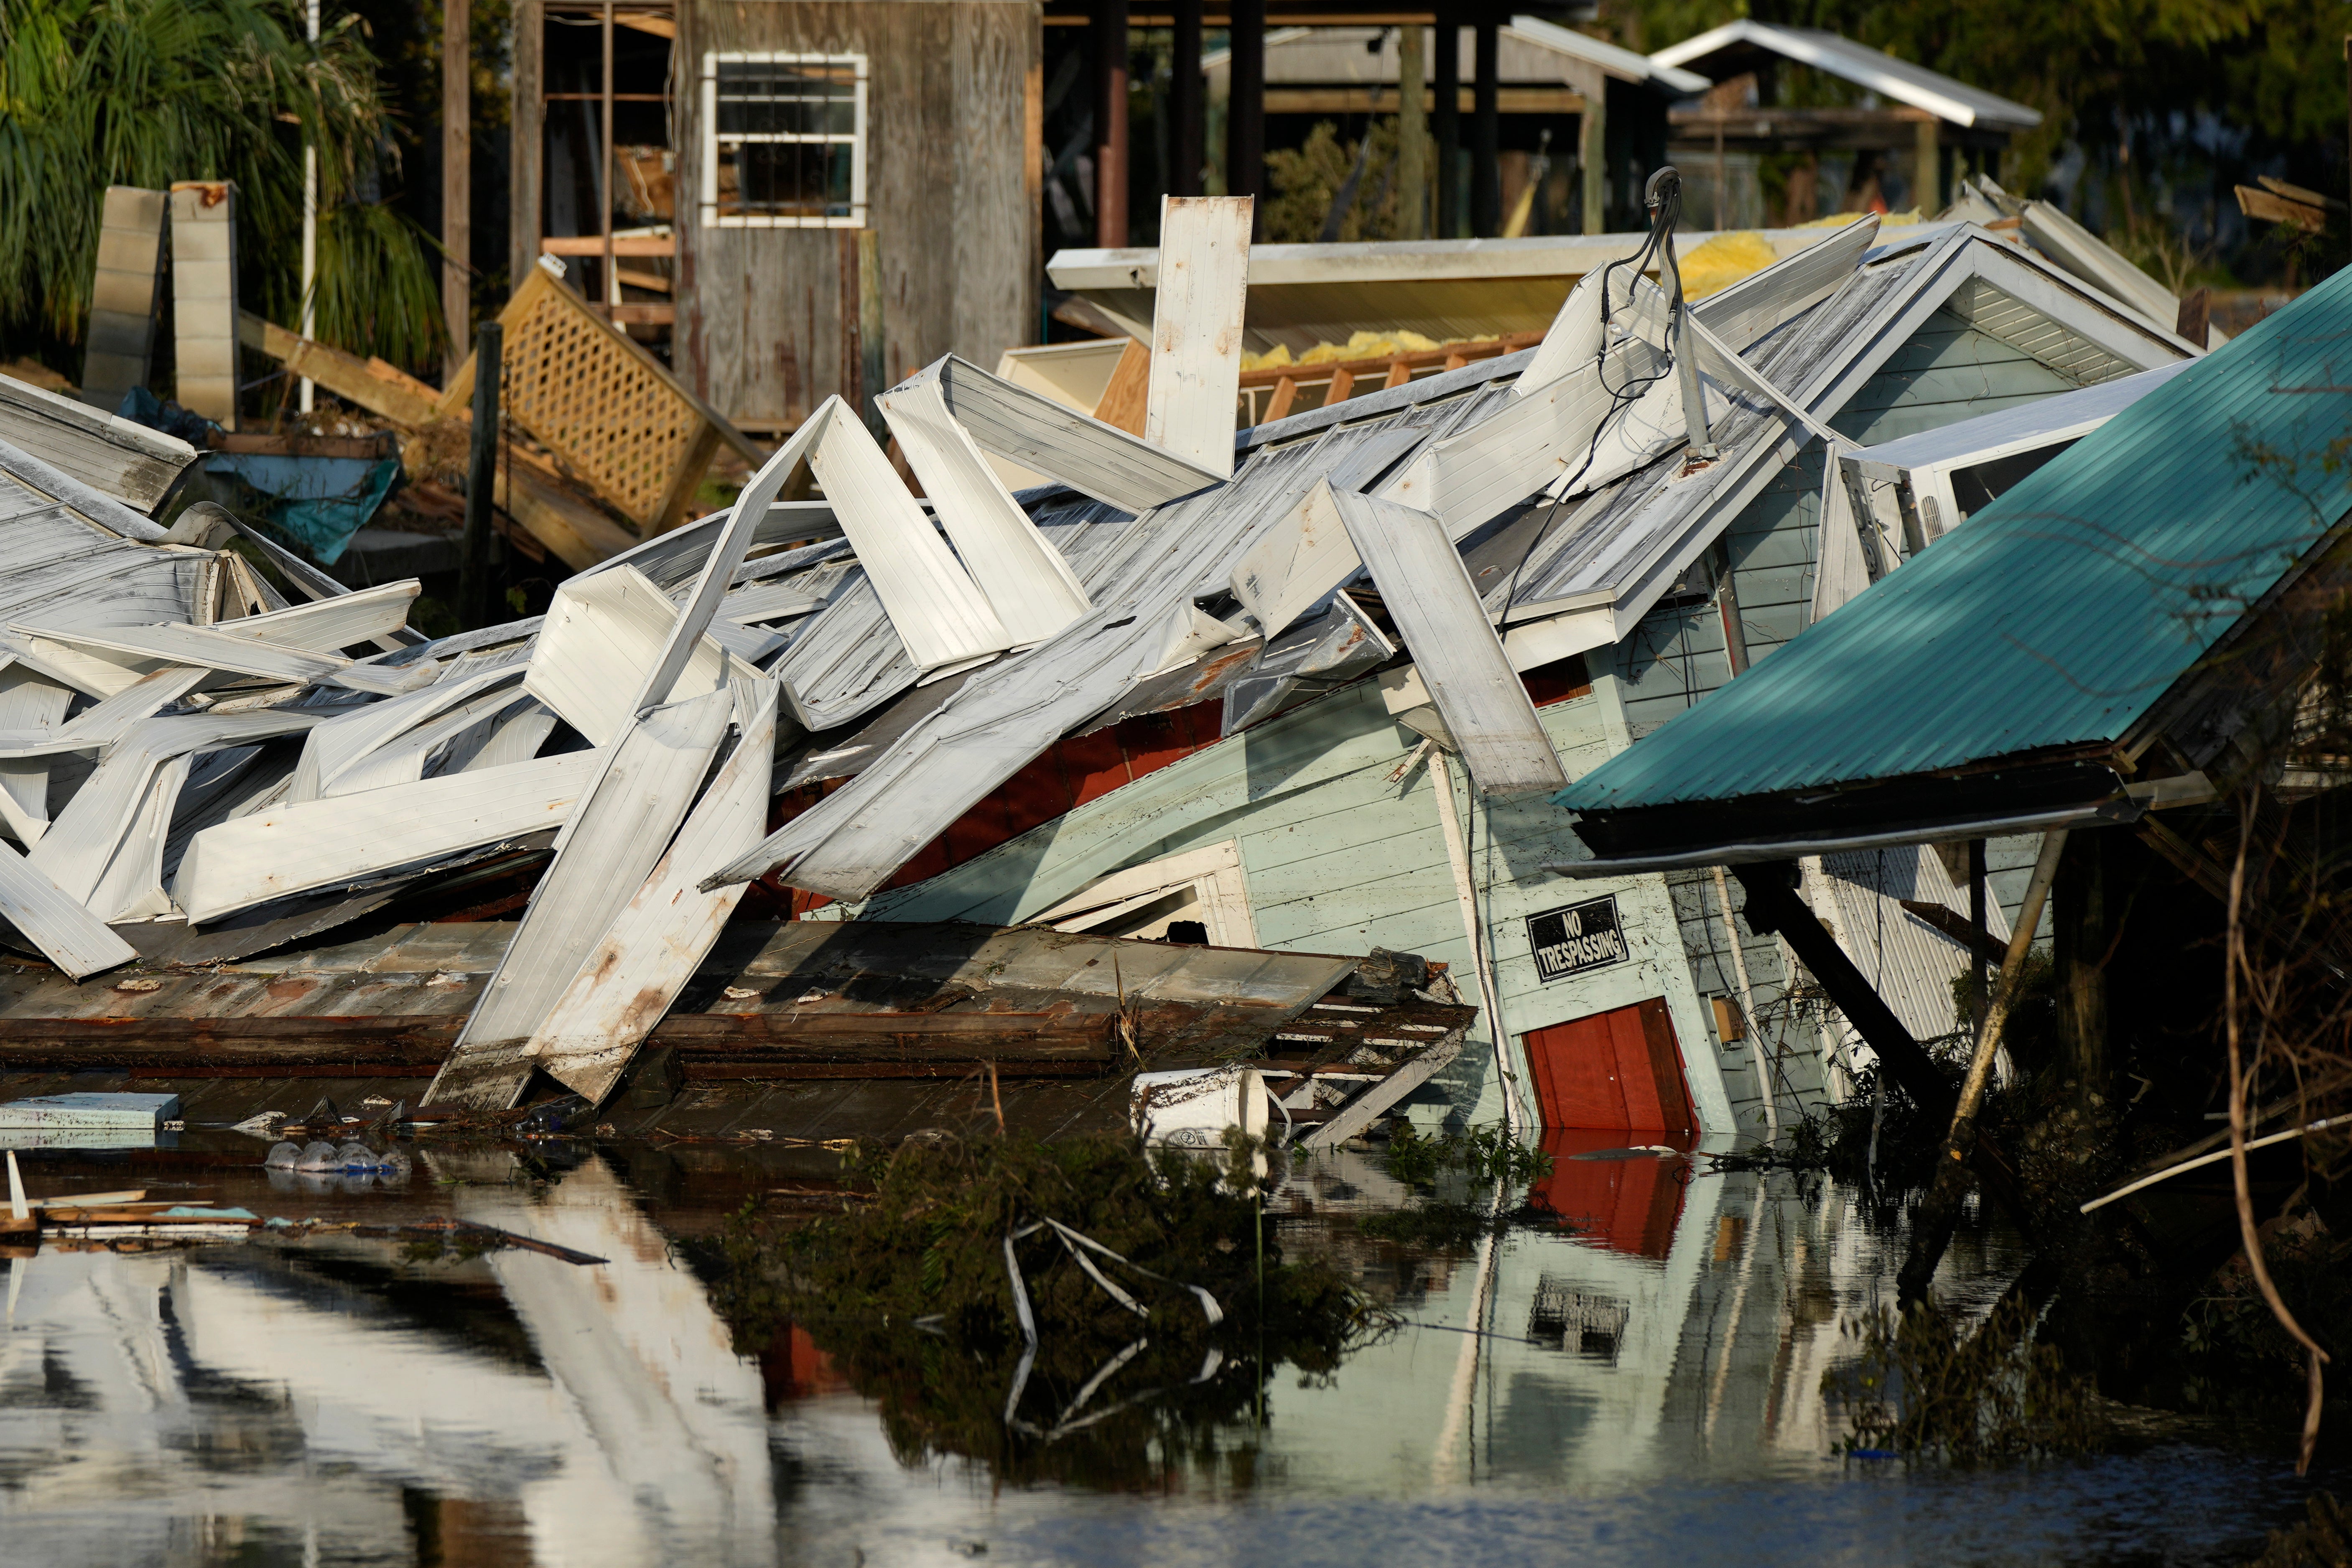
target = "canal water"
x: 1648, y: 1389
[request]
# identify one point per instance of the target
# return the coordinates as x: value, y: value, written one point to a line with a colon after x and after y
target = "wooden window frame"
x: 711, y: 138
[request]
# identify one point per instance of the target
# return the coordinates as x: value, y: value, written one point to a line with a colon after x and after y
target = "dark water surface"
x: 1646, y: 1391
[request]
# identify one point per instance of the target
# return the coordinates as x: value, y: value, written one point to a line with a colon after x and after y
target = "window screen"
x: 785, y: 141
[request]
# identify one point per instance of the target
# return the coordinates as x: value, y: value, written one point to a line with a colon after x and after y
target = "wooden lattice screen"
x: 605, y: 406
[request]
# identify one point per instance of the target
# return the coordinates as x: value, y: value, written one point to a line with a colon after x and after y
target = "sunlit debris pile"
x: 189, y: 754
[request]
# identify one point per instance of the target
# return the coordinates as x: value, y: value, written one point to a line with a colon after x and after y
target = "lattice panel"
x: 598, y: 407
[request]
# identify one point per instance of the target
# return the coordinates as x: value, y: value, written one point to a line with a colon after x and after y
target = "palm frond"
x: 146, y: 92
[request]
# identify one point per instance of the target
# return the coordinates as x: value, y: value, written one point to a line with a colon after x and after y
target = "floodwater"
x: 1647, y: 1390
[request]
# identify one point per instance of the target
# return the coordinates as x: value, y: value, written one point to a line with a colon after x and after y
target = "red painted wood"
x: 1666, y: 1068
x: 1578, y: 1069
x: 1618, y: 1070
x: 1626, y: 1205
x: 1636, y: 1075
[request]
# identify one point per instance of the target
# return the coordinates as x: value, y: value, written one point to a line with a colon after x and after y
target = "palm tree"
x: 145, y: 92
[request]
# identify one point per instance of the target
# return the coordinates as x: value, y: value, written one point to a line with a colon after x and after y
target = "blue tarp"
x: 321, y: 501
x: 318, y: 502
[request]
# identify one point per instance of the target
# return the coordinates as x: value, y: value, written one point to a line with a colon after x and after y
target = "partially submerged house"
x: 2093, y: 653
x: 1238, y: 790
x: 1306, y: 688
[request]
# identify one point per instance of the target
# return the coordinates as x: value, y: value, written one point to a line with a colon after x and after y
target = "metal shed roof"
x: 2057, y: 616
x: 1369, y: 54
x: 1859, y: 64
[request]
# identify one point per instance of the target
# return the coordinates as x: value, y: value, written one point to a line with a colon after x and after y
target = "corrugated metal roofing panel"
x: 2059, y: 614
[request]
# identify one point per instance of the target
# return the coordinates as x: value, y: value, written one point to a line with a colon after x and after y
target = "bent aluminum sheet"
x: 603, y: 637
x: 856, y: 839
x: 121, y: 460
x: 339, y: 745
x: 54, y: 920
x: 1421, y: 580
x: 934, y: 605
x: 348, y: 838
x: 53, y: 483
x: 656, y: 943
x: 1042, y: 435
x: 108, y: 808
x: 625, y: 824
x: 1030, y: 588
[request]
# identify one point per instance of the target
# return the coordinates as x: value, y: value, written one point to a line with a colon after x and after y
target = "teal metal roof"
x: 2057, y: 615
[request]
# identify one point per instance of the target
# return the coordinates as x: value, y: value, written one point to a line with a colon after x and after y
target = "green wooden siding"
x: 1948, y: 371
x: 1338, y: 859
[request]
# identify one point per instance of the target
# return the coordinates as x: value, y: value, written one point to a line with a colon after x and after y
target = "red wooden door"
x: 1619, y: 1069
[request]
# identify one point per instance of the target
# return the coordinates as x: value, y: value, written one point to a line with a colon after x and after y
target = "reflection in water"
x: 325, y: 1399
x: 1649, y: 1387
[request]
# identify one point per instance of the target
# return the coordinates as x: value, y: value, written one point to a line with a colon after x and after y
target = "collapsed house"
x: 2102, y: 657
x: 1305, y: 689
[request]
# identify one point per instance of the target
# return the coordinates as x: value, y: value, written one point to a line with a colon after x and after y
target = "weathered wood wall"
x: 769, y: 324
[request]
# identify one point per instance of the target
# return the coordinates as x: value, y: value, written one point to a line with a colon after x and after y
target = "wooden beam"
x: 1109, y: 45
x: 1486, y: 133
x: 374, y: 385
x: 456, y: 179
x: 594, y: 245
x: 1774, y: 907
x: 1245, y: 101
x: 1412, y: 135
x: 1196, y: 328
x: 527, y: 140
x: 1445, y: 124
x: 1187, y: 138
x: 2270, y: 207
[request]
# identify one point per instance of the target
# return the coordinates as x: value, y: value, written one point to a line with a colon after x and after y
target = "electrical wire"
x: 1666, y: 205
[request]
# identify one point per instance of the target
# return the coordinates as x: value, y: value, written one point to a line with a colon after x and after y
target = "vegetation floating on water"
x: 910, y: 1295
x: 1484, y: 1153
x: 1928, y: 1386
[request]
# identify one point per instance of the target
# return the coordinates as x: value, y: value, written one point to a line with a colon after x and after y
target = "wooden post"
x: 2080, y: 937
x: 481, y: 479
x: 1245, y: 102
x: 1926, y: 184
x: 1932, y: 1221
x: 1448, y: 118
x: 1977, y: 921
x: 1110, y: 122
x: 607, y: 286
x: 2195, y: 319
x: 1722, y: 178
x: 1412, y: 135
x: 1485, y: 134
x: 1187, y: 140
x: 457, y: 175
x: 873, y: 363
x: 526, y: 141
x: 1592, y: 159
